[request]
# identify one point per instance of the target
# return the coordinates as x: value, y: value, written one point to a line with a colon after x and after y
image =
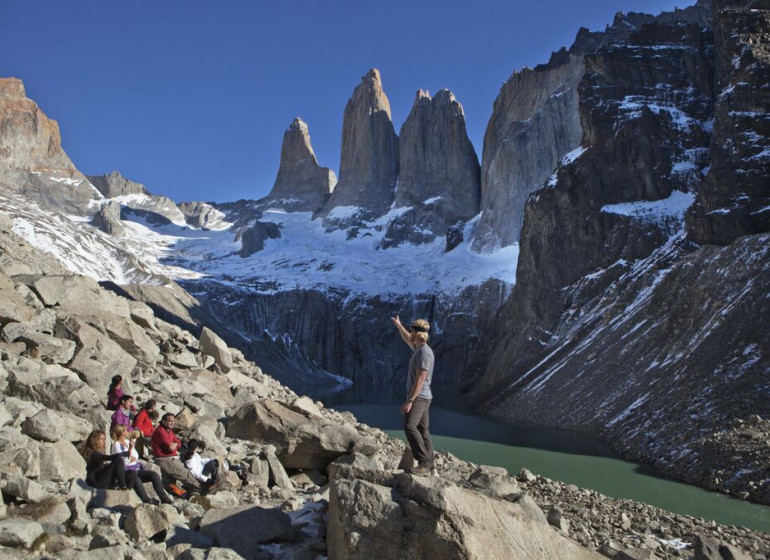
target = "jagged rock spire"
x: 301, y: 183
x: 369, y: 159
x: 436, y: 158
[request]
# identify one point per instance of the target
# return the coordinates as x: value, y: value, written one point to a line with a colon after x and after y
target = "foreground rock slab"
x: 244, y: 528
x: 373, y: 514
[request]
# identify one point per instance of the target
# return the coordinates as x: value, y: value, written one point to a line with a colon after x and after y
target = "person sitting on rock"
x: 102, y: 470
x: 114, y: 392
x: 165, y: 449
x: 143, y: 422
x: 204, y: 470
x: 122, y: 416
x: 136, y: 474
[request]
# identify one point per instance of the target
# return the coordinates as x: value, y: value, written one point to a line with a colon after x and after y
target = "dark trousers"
x: 136, y: 478
x: 111, y: 473
x: 416, y: 424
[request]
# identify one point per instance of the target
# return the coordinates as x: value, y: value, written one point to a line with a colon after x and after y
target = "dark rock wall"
x: 352, y: 336
x: 735, y: 197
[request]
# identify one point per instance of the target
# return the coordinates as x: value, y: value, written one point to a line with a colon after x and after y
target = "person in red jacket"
x: 143, y: 423
x: 165, y: 449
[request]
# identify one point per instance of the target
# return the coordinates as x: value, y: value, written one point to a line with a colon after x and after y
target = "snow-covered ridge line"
x: 306, y: 256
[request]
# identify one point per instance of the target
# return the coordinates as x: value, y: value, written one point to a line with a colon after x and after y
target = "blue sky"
x: 192, y: 98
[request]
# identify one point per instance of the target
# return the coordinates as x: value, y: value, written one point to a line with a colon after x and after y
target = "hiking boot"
x: 167, y: 500
x: 419, y: 471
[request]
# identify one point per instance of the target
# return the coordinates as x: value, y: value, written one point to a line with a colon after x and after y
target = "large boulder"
x: 246, y: 527
x: 373, y: 514
x: 48, y: 425
x: 60, y: 462
x: 146, y: 521
x: 212, y: 345
x: 65, y: 393
x: 79, y: 292
x: 48, y: 348
x: 123, y: 331
x: 301, y: 441
x: 16, y: 532
x: 19, y: 454
x: 97, y: 357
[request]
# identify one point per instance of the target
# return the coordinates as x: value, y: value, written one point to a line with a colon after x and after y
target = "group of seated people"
x: 132, y: 433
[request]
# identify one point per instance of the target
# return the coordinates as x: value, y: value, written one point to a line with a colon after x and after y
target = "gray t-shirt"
x: 421, y: 359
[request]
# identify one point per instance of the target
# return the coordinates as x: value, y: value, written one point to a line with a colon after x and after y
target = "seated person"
x: 102, y: 470
x: 165, y: 449
x: 122, y: 416
x: 144, y: 423
x: 136, y: 474
x: 204, y: 470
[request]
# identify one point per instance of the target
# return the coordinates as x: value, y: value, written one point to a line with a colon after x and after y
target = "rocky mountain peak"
x: 369, y: 159
x: 114, y: 184
x: 301, y: 184
x: 438, y: 176
x: 32, y: 160
x: 12, y: 86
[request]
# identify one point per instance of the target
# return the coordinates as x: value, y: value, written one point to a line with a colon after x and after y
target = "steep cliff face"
x: 536, y: 121
x: 369, y: 159
x: 301, y: 185
x: 645, y: 117
x: 351, y: 335
x: 734, y: 199
x: 618, y: 325
x: 438, y: 177
x: 32, y: 161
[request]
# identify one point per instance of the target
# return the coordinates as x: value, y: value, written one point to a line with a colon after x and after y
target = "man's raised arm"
x: 402, y: 331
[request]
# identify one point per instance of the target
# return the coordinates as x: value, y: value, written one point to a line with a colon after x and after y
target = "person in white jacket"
x: 204, y: 470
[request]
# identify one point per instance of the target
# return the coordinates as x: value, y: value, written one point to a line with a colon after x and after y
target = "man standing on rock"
x: 418, y: 394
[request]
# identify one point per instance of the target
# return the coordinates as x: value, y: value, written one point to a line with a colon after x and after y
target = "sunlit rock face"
x: 438, y: 177
x: 32, y: 161
x: 369, y: 159
x: 301, y: 184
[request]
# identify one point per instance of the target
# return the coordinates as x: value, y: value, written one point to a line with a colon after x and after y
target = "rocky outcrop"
x: 32, y: 161
x: 301, y: 185
x: 202, y: 215
x: 253, y: 238
x: 438, y: 177
x: 107, y: 219
x: 114, y: 184
x: 380, y: 515
x: 734, y: 198
x: 369, y: 159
